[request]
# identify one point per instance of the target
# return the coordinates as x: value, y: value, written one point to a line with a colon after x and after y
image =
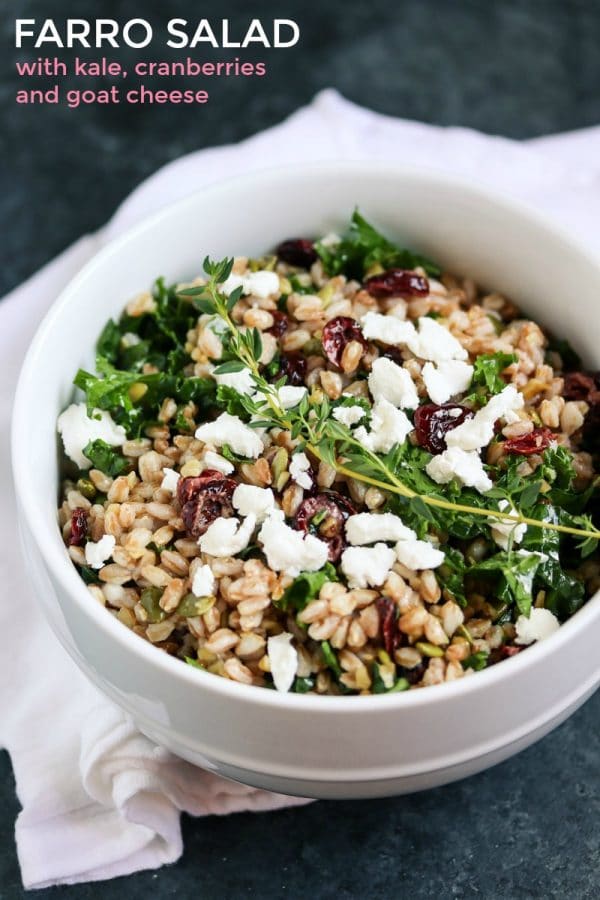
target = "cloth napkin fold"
x: 98, y: 799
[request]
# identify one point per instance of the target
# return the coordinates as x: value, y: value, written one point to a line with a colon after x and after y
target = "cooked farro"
x: 181, y: 528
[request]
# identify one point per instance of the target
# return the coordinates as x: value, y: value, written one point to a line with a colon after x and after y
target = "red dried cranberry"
x: 280, y: 325
x: 292, y: 367
x: 325, y: 515
x: 433, y: 422
x: 582, y: 386
x: 507, y: 651
x: 387, y: 619
x: 397, y: 283
x: 534, y: 442
x: 337, y: 333
x: 297, y: 252
x: 204, y: 498
x: 79, y: 522
x: 414, y: 675
x: 395, y: 354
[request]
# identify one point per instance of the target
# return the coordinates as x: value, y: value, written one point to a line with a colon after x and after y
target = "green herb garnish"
x: 362, y: 246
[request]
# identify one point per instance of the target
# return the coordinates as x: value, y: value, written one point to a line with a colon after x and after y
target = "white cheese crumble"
x: 203, y: 582
x: 465, y: 466
x: 170, y: 480
x: 96, y: 554
x: 502, y: 531
x: 212, y: 460
x: 77, y: 429
x: 416, y: 554
x: 288, y: 550
x: 283, y: 660
x: 436, y: 343
x: 367, y: 566
x: 228, y: 429
x: 540, y: 624
x: 299, y: 470
x: 261, y: 284
x: 387, y: 329
x: 389, y: 426
x: 348, y: 415
x: 227, y: 537
x: 477, y: 432
x: 241, y: 381
x: 288, y: 395
x: 448, y: 378
x: 388, y: 381
x: 248, y: 499
x: 366, y: 528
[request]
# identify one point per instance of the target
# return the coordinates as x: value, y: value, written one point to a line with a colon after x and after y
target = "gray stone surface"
x: 530, y: 827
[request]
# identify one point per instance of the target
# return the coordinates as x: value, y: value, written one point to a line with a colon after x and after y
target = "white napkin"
x: 100, y: 800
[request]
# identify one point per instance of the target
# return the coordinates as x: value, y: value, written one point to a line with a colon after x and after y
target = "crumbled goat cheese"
x: 416, y: 554
x: 261, y: 284
x: 249, y: 499
x: 465, y: 466
x: 389, y: 426
x: 348, y: 415
x: 227, y: 537
x: 477, y: 432
x: 241, y: 381
x: 436, y: 343
x: 228, y: 429
x: 299, y: 469
x: 367, y: 528
x: 203, y: 582
x: 170, y: 480
x: 503, y: 531
x: 367, y: 566
x: 97, y: 554
x: 212, y: 460
x: 288, y: 550
x: 130, y: 339
x: 77, y: 429
x: 448, y: 378
x: 387, y: 329
x: 540, y: 624
x: 283, y: 660
x: 388, y: 381
x: 288, y: 395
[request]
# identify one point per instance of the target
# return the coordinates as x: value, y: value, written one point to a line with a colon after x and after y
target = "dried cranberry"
x: 79, y: 522
x: 292, y: 367
x: 280, y: 325
x: 397, y: 283
x: 204, y: 498
x: 582, y: 386
x: 337, y: 333
x: 387, y: 619
x: 534, y: 442
x: 507, y: 651
x: 433, y: 422
x: 395, y: 354
x: 414, y: 675
x: 325, y: 515
x: 297, y: 252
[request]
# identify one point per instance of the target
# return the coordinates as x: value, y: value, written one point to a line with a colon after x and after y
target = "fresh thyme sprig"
x: 324, y: 437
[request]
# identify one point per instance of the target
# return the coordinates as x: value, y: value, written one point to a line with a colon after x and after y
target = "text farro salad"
x: 333, y: 470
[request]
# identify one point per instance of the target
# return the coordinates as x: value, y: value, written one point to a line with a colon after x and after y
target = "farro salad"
x: 334, y: 469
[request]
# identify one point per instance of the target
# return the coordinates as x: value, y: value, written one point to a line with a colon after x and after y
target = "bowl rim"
x: 47, y: 538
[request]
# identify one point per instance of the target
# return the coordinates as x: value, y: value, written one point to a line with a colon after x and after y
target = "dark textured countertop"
x: 529, y: 828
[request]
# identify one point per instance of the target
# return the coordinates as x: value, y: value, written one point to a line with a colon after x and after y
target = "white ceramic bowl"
x: 306, y: 745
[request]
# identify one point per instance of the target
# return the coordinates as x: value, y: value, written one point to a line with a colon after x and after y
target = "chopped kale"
x: 362, y: 246
x: 306, y: 587
x: 104, y: 457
